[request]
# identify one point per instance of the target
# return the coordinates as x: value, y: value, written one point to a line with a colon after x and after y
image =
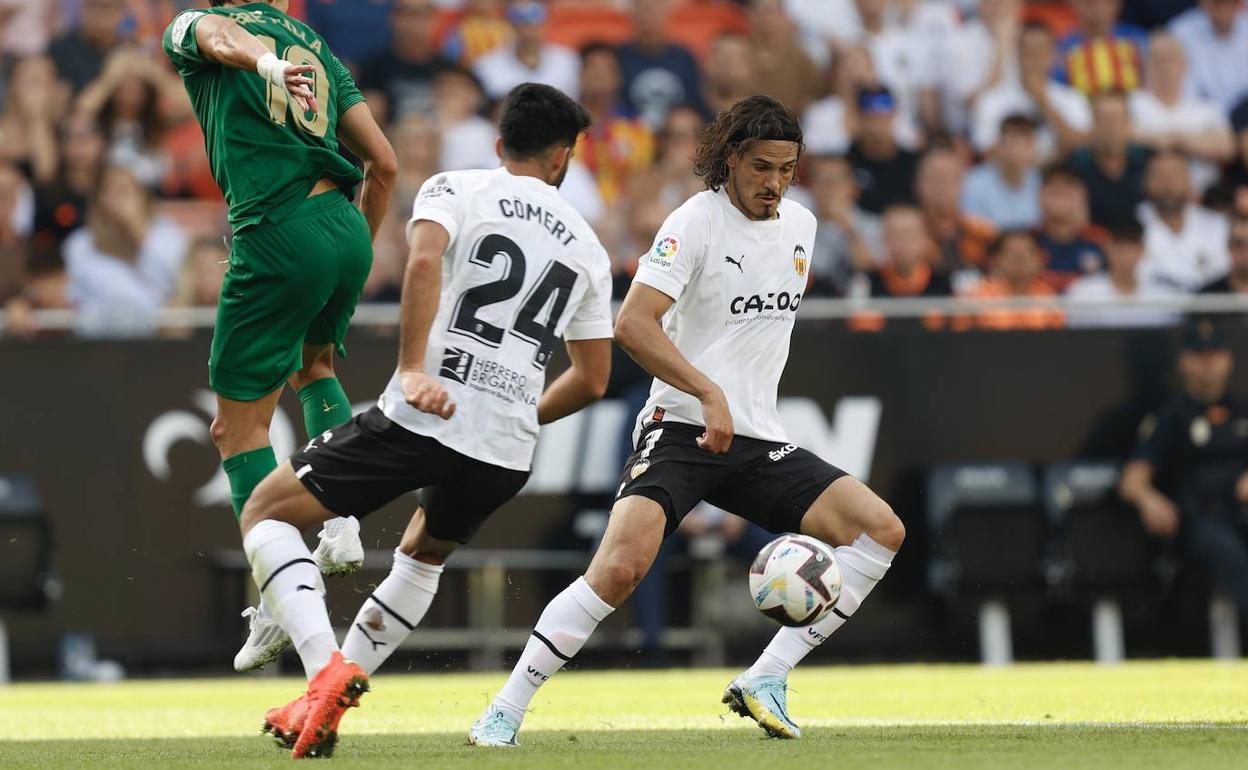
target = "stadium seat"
x: 26, y: 579
x: 576, y: 25
x: 1081, y: 499
x: 990, y: 538
x: 696, y: 25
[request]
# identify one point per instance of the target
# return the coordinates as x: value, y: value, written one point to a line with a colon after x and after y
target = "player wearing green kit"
x: 274, y: 102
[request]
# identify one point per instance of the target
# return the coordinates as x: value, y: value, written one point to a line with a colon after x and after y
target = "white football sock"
x: 863, y: 564
x: 291, y: 585
x: 391, y: 611
x: 560, y: 633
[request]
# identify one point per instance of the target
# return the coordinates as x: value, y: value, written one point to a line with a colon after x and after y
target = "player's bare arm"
x: 1158, y: 513
x: 639, y: 332
x: 422, y: 287
x: 225, y: 42
x: 365, y: 139
x: 581, y: 385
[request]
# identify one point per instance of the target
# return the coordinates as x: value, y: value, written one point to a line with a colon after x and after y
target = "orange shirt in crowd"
x: 1007, y: 319
x: 614, y: 150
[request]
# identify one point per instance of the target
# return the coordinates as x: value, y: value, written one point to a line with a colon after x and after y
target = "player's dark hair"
x: 537, y: 117
x: 217, y: 3
x: 753, y: 119
x: 1126, y: 229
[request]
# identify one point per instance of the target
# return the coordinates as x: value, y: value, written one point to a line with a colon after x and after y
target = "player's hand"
x: 1241, y: 488
x: 426, y: 394
x: 719, y: 431
x: 301, y: 86
x: 1159, y: 515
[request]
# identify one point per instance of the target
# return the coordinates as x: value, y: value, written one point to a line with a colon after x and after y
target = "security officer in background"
x: 1189, y: 473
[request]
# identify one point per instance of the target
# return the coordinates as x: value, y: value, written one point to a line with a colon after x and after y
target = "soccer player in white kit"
x: 709, y: 314
x: 501, y: 268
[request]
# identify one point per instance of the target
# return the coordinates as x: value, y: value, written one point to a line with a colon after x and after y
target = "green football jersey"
x: 266, y: 153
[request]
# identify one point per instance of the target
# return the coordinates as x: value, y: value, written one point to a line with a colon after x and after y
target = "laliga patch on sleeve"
x: 181, y: 26
x: 438, y: 188
x: 663, y: 255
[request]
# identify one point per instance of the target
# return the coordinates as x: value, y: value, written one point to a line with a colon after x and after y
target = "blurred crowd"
x: 975, y: 148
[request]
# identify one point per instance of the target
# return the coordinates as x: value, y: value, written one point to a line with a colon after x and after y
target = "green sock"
x: 245, y: 471
x: 325, y: 406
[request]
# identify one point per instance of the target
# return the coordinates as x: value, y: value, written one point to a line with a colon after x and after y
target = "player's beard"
x: 754, y: 208
x: 563, y: 173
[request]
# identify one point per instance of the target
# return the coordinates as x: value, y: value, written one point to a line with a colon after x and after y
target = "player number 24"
x: 552, y: 290
x: 314, y: 123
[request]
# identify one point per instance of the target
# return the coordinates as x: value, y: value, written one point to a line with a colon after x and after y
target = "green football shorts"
x: 291, y: 282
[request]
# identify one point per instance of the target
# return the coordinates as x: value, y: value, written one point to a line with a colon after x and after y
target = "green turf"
x: 1164, y: 715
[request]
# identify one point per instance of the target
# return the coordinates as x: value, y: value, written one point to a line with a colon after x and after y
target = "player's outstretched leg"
x: 628, y: 549
x: 866, y: 534
x: 290, y: 583
x: 325, y: 407
x: 398, y: 605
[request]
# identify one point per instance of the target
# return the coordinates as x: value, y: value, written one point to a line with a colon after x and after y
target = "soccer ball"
x: 795, y: 580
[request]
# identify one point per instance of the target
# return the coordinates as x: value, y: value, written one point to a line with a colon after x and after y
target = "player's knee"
x: 621, y: 574
x: 886, y: 527
x: 318, y: 368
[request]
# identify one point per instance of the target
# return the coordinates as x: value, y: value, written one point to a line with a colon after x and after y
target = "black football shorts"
x: 358, y: 467
x: 767, y: 483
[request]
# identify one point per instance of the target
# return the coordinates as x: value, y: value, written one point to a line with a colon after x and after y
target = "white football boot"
x: 340, y: 552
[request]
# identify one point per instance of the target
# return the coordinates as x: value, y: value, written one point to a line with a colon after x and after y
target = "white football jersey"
x: 522, y: 271
x: 737, y: 285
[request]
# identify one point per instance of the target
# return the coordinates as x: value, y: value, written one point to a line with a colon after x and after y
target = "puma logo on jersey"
x: 757, y: 304
x: 736, y: 262
x: 776, y: 455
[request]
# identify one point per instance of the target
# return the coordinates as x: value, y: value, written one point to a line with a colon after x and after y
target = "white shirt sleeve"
x: 592, y: 319
x: 438, y: 202
x: 678, y: 252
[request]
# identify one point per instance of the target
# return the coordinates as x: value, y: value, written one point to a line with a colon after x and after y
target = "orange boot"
x: 335, y: 689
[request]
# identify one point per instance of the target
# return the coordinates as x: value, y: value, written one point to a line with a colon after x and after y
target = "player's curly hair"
x: 757, y: 118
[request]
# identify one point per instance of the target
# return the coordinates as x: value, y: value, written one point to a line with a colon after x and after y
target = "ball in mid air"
x: 795, y: 580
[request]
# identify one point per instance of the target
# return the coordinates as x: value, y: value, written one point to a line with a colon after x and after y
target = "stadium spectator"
x: 529, y: 58
x: 847, y: 239
x: 1165, y: 118
x: 1215, y: 37
x: 1185, y: 243
x: 123, y: 266
x: 1111, y: 165
x: 1071, y: 244
x: 203, y: 272
x: 25, y: 26
x: 1102, y: 54
x: 828, y: 122
x: 824, y: 25
x: 16, y: 221
x: 977, y: 57
x: 904, y: 58
x: 1122, y: 280
x: 884, y: 170
x: 1236, y: 279
x: 659, y: 75
x: 784, y: 70
x: 482, y: 28
x: 36, y: 102
x: 907, y: 270
x: 61, y: 202
x: 618, y: 144
x: 1189, y: 474
x: 398, y: 80
x: 731, y: 72
x: 961, y: 240
x: 1149, y: 14
x: 467, y: 138
x: 1005, y: 189
x: 1017, y: 268
x: 1061, y: 111
x: 44, y: 288
x: 357, y: 30
x: 134, y: 103
x: 79, y: 54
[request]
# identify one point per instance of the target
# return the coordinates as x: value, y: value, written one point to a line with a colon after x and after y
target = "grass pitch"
x: 1139, y: 715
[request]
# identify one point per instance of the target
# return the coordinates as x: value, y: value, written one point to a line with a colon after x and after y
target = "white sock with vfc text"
x: 863, y: 564
x: 560, y: 633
